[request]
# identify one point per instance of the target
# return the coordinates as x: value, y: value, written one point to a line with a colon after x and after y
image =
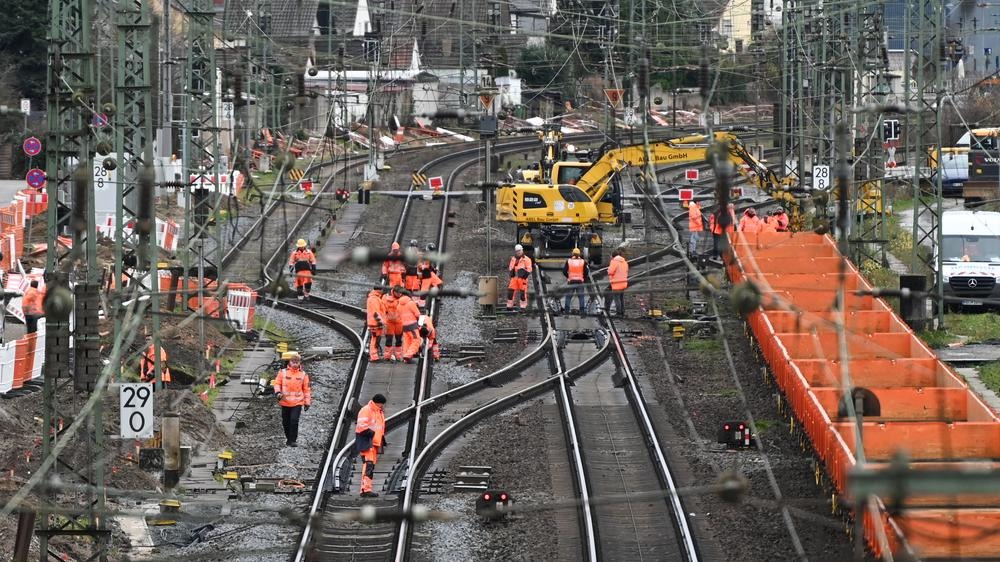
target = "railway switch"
x: 736, y: 435
x: 493, y: 504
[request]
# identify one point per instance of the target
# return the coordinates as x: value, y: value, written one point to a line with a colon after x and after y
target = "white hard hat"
x: 518, y: 248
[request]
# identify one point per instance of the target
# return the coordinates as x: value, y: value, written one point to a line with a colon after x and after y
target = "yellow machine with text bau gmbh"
x: 579, y: 198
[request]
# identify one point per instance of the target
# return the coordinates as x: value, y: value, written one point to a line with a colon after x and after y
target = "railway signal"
x: 494, y: 504
x: 736, y: 435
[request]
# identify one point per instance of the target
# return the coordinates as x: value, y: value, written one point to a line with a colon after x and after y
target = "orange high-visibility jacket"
x: 717, y: 223
x: 303, y: 260
x: 391, y: 307
x: 394, y: 272
x: 429, y: 282
x: 618, y: 273
x: 575, y: 269
x: 409, y: 312
x: 31, y: 303
x: 293, y: 385
x: 375, y: 308
x: 148, y: 364
x: 519, y: 263
x: 372, y: 417
x: 749, y: 224
x: 695, y: 222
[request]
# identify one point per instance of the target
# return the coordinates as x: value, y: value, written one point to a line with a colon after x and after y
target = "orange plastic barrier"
x: 914, y: 403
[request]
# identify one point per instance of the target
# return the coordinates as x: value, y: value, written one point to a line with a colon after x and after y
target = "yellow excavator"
x: 579, y: 198
x: 553, y: 159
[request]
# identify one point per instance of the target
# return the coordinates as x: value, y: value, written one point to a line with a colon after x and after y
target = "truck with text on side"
x: 954, y: 166
x: 983, y: 183
x: 970, y: 258
x: 579, y: 199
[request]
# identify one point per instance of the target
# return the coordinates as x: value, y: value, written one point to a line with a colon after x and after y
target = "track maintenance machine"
x: 575, y: 200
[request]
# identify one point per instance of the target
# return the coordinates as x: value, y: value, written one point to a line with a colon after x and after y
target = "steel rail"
x: 588, y: 518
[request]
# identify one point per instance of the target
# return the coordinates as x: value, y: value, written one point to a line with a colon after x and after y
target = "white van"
x: 970, y: 256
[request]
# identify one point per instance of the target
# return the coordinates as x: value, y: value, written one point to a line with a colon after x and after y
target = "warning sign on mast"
x: 486, y: 100
x: 614, y: 96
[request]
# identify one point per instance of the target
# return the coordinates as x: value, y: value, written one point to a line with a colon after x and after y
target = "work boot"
x: 369, y: 494
x: 291, y: 444
x: 407, y: 360
x: 302, y: 297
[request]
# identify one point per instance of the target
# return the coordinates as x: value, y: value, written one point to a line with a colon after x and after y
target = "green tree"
x: 23, y: 45
x: 546, y: 66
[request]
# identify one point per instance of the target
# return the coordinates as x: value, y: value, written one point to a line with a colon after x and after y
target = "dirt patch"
x: 697, y: 393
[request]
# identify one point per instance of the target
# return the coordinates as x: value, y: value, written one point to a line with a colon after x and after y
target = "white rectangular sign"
x: 136, y: 410
x: 228, y: 109
x: 821, y: 177
x: 26, y: 106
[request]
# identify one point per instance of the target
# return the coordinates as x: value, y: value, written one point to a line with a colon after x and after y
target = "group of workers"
x: 576, y: 271
x: 776, y: 221
x: 404, y: 323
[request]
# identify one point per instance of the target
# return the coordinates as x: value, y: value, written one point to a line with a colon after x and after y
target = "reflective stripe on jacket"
x: 293, y: 384
x: 618, y: 273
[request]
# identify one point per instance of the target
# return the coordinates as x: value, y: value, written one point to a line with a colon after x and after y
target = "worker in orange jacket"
x: 576, y: 271
x: 618, y: 282
x: 31, y: 306
x: 393, y: 327
x: 696, y: 226
x: 779, y: 218
x: 520, y: 270
x: 428, y: 281
x: 409, y: 317
x: 750, y: 222
x: 427, y: 331
x: 303, y: 264
x: 291, y: 386
x: 375, y: 309
x: 393, y: 268
x: 718, y: 230
x: 147, y: 364
x: 369, y: 439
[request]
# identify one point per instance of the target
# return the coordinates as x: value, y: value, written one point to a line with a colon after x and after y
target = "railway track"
x: 406, y: 394
x: 424, y: 439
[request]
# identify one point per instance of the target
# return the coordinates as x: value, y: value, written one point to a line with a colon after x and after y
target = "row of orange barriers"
x: 20, y: 360
x: 912, y: 402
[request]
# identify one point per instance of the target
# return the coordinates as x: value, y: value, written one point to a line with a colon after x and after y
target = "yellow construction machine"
x: 577, y: 199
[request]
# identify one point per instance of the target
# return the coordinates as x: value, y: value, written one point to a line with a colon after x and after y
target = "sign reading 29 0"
x: 136, y: 410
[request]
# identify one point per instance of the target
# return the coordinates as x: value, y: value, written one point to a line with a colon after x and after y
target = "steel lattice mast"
x: 71, y: 99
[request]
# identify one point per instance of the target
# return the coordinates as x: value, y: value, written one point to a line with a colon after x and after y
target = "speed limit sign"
x: 136, y: 410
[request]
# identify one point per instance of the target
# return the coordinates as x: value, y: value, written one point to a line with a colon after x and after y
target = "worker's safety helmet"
x: 291, y: 356
x: 518, y: 248
x: 576, y: 251
x: 751, y: 212
x: 301, y: 243
x: 413, y: 243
